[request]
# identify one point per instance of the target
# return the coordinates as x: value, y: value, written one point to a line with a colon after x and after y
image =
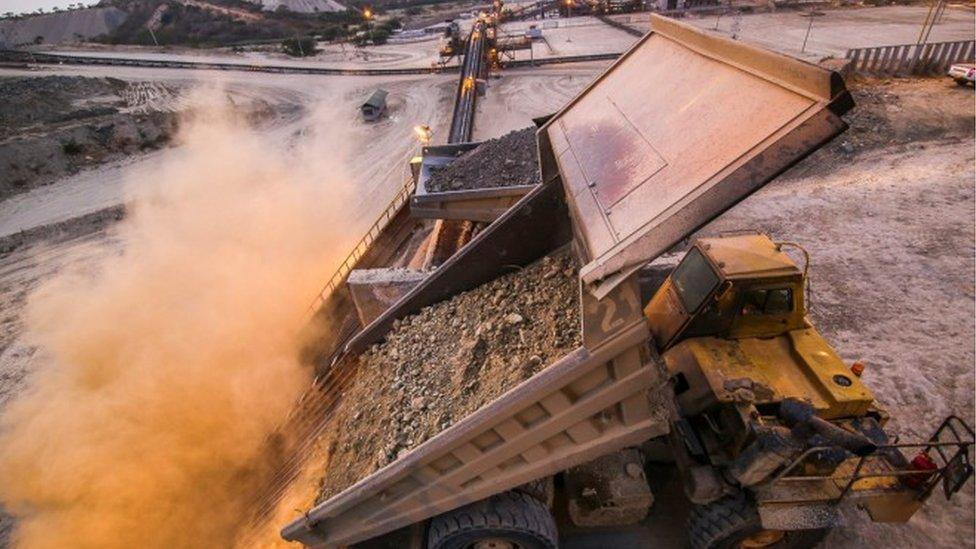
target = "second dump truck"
x: 770, y: 430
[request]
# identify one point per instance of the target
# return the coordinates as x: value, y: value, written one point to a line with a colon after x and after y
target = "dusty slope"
x: 302, y: 6
x: 20, y: 275
x: 378, y: 170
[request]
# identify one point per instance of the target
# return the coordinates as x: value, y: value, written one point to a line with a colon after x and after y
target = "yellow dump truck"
x: 770, y: 431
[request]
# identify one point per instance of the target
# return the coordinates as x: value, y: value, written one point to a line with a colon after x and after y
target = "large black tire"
x: 515, y: 519
x: 541, y: 489
x: 733, y: 521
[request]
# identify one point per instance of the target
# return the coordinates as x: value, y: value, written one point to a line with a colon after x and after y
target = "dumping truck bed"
x: 679, y: 129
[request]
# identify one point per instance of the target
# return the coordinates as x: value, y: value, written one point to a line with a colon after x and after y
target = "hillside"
x: 219, y: 22
x: 60, y: 28
x: 179, y: 22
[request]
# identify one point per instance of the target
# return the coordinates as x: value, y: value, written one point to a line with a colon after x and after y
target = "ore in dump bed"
x: 505, y: 161
x: 449, y: 360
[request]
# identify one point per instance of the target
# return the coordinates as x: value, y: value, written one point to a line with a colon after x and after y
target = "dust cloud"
x: 169, y: 364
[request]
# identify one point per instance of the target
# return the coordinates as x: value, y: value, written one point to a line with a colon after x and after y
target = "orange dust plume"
x: 168, y: 365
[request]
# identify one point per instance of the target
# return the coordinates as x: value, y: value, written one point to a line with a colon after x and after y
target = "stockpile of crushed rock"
x: 506, y: 161
x: 442, y: 364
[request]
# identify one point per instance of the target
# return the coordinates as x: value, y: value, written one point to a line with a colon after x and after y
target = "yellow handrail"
x: 347, y: 265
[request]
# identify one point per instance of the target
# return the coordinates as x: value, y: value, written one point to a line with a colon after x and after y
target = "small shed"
x: 374, y: 107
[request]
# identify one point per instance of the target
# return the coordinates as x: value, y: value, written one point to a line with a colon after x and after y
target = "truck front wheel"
x: 510, y: 520
x: 733, y: 522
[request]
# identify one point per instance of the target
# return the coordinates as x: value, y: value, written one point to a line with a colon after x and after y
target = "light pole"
x: 811, y: 15
x: 367, y: 16
x: 569, y: 14
x: 424, y: 133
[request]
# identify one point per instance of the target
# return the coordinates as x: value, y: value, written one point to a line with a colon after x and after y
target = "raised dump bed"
x: 679, y: 129
x: 475, y: 181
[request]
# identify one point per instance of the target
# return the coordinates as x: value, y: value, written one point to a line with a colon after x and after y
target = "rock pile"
x: 505, y: 161
x: 439, y: 366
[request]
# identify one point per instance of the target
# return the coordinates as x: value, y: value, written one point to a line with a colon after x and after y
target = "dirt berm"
x: 506, y: 161
x: 449, y: 360
x: 56, y: 125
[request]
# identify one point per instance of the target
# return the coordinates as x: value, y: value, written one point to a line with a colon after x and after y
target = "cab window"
x: 768, y: 301
x: 694, y: 280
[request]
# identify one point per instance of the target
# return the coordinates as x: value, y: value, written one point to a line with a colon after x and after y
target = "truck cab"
x: 772, y: 428
x: 733, y: 315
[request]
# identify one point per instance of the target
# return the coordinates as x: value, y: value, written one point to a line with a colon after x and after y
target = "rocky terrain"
x: 888, y: 112
x: 440, y: 365
x: 51, y: 126
x: 505, y: 161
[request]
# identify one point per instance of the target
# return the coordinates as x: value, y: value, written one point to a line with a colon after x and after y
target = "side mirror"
x: 723, y: 290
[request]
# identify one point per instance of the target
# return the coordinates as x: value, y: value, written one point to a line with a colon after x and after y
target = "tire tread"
x: 511, y: 511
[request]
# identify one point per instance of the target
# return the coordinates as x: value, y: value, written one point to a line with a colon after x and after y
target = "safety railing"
x: 621, y: 25
x: 930, y: 58
x: 349, y: 263
x: 948, y: 462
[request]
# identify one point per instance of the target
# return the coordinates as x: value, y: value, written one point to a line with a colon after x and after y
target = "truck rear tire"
x: 733, y: 521
x: 510, y: 520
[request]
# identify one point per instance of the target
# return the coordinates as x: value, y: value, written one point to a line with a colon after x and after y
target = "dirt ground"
x: 21, y: 273
x: 42, y: 223
x: 519, y: 95
x: 574, y: 36
x: 376, y: 153
x: 418, y: 54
